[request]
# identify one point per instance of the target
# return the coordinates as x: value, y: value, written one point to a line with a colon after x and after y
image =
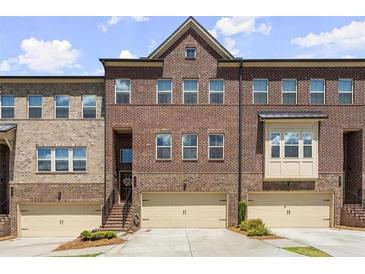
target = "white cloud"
x: 5, y: 66
x: 229, y: 26
x: 116, y: 19
x: 231, y: 44
x: 214, y: 33
x: 48, y: 56
x: 349, y: 37
x: 127, y: 54
x: 140, y: 18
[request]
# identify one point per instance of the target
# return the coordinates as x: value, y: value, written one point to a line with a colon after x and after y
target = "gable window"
x: 190, y: 53
x: 126, y: 156
x: 216, y: 147
x: 291, y: 142
x: 122, y: 91
x: 345, y: 91
x: 7, y: 106
x: 190, y: 147
x: 260, y: 91
x: 317, y: 91
x: 275, y: 144
x: 163, y: 146
x: 190, y: 88
x: 62, y: 159
x: 44, y: 159
x: 35, y: 106
x: 89, y: 106
x: 79, y: 159
x: 164, y: 91
x: 62, y: 106
x: 216, y: 92
x: 289, y: 91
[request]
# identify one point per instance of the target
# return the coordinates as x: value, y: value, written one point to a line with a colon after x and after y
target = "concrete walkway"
x: 194, y: 243
x: 80, y: 252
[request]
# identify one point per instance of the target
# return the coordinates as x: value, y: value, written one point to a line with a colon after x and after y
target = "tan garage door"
x: 291, y: 209
x: 184, y: 210
x: 58, y: 220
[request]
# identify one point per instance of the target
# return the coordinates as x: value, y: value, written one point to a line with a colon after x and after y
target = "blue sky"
x: 73, y: 45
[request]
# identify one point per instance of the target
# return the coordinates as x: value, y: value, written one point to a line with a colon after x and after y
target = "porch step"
x: 119, y: 218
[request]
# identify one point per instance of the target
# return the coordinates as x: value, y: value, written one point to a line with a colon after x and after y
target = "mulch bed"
x: 79, y: 244
x: 267, y: 237
x: 5, y: 238
x: 342, y: 227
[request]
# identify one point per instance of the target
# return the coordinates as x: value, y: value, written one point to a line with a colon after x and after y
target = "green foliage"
x: 242, y: 209
x: 98, y: 235
x: 249, y: 224
x: 86, y: 235
x: 259, y: 230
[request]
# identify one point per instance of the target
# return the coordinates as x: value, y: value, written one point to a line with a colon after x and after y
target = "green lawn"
x: 307, y: 251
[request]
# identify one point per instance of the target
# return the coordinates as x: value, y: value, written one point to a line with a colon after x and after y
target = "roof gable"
x: 201, y: 31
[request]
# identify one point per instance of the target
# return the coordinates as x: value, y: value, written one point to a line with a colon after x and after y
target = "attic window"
x: 190, y: 53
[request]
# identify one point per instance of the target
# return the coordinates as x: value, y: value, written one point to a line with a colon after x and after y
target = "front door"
x: 125, y: 186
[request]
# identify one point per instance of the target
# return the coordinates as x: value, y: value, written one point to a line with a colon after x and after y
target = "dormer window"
x: 190, y: 53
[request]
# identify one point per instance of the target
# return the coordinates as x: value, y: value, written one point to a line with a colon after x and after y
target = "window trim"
x: 209, y: 146
x: 267, y: 91
x: 197, y: 147
x: 37, y: 159
x: 292, y: 145
x: 171, y: 99
x: 307, y: 145
x: 224, y: 88
x: 96, y: 104
x: 324, y: 90
x: 1, y: 106
x: 72, y: 159
x: 55, y: 106
x: 197, y: 91
x: 186, y: 51
x: 69, y: 167
x: 130, y: 91
x: 28, y: 105
x: 345, y: 92
x: 279, y: 145
x: 282, y: 90
x: 156, y: 147
x: 121, y: 157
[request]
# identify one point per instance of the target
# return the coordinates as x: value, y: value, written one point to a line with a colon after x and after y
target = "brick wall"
x: 4, y: 225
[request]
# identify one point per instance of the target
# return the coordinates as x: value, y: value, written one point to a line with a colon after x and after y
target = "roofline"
x: 129, y: 60
x: 51, y: 79
x: 238, y: 60
x: 123, y: 62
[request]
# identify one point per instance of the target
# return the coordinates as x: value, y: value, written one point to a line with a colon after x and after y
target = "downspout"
x: 105, y: 207
x: 240, y: 115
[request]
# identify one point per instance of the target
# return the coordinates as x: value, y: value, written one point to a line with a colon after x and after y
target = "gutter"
x: 105, y: 209
x: 240, y: 131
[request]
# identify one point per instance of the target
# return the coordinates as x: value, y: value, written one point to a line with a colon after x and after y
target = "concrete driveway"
x: 28, y: 247
x: 194, y: 243
x: 340, y: 243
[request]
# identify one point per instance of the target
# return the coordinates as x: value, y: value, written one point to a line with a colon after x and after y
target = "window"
x: 89, y: 106
x: 275, y: 145
x: 79, y: 159
x: 216, y: 147
x: 289, y: 92
x: 44, y: 159
x: 163, y: 146
x: 190, y: 53
x: 260, y: 88
x: 61, y: 159
x: 62, y: 106
x: 190, y: 88
x: 190, y: 147
x: 317, y: 91
x: 35, y: 106
x: 7, y: 106
x: 216, y: 92
x: 291, y: 142
x: 345, y: 91
x: 126, y: 156
x: 164, y: 91
x: 122, y: 91
x: 307, y: 144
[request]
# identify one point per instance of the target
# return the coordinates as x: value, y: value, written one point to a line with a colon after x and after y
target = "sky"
x: 73, y: 45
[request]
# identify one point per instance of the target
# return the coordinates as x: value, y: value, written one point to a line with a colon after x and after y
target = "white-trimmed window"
x: 289, y: 91
x: 126, y: 156
x: 62, y: 159
x: 89, y: 106
x: 307, y: 144
x: 7, y: 106
x: 163, y: 147
x: 122, y: 91
x: 345, y: 91
x: 190, y: 89
x: 62, y: 104
x: 190, y: 53
x: 164, y: 91
x: 275, y: 144
x: 216, y: 147
x: 260, y: 91
x: 44, y: 159
x: 317, y: 91
x: 190, y: 146
x: 291, y: 144
x: 35, y: 103
x: 216, y: 92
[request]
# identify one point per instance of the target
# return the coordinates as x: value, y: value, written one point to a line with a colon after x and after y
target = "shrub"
x: 97, y: 235
x: 249, y: 224
x: 259, y: 230
x: 242, y: 209
x: 86, y: 235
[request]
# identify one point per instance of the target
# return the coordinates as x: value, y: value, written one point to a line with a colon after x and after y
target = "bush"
x: 98, y: 235
x: 259, y: 230
x: 249, y: 224
x: 242, y: 209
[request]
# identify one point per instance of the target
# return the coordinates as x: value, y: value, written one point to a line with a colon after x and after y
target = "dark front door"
x: 125, y: 186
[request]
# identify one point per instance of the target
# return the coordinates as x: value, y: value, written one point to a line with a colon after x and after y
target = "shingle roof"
x: 269, y: 115
x: 7, y: 127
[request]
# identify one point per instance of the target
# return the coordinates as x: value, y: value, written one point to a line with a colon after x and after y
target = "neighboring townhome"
x: 51, y: 155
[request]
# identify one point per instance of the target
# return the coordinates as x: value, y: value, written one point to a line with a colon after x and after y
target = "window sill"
x: 215, y: 160
x: 61, y: 172
x: 190, y: 160
x: 192, y: 58
x: 163, y: 160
